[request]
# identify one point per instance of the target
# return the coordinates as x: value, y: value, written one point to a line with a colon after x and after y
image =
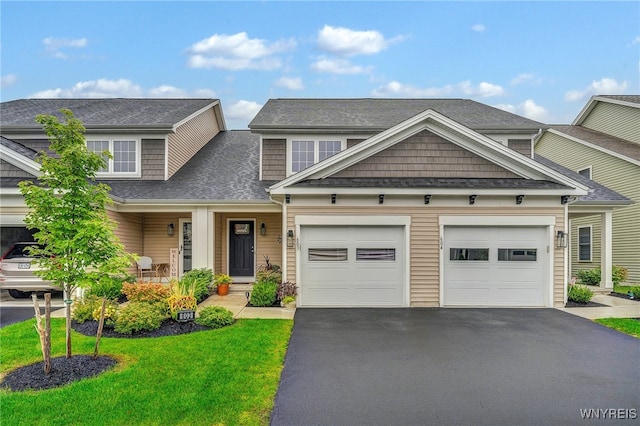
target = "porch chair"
x: 144, y: 267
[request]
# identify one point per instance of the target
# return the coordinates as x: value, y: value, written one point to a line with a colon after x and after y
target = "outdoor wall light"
x: 472, y: 199
x: 519, y: 199
x: 287, y: 198
x: 170, y: 229
x: 564, y: 199
x: 561, y: 239
x: 263, y: 228
x: 290, y: 238
x: 333, y: 198
x: 381, y: 199
x: 427, y: 199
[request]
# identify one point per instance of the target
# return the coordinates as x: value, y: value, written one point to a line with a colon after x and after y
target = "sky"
x: 541, y: 60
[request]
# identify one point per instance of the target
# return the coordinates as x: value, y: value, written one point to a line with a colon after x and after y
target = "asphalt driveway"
x: 456, y: 367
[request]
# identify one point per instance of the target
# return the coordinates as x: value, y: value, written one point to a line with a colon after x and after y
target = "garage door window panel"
x: 328, y: 255
x: 469, y: 254
x: 517, y: 255
x: 380, y: 255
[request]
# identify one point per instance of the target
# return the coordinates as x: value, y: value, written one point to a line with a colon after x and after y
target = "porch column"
x: 200, y: 238
x: 606, y: 259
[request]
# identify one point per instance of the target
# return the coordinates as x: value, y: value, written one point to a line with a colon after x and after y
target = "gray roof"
x: 603, y: 140
x: 110, y: 113
x: 599, y: 194
x: 226, y: 169
x: 18, y: 147
x: 634, y: 99
x: 431, y: 183
x: 380, y: 114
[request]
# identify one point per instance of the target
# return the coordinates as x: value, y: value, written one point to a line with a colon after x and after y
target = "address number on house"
x: 186, y: 315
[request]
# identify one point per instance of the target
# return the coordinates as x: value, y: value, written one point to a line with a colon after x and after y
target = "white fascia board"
x: 444, y: 127
x: 197, y: 113
x: 431, y: 191
x: 20, y: 161
x: 596, y: 147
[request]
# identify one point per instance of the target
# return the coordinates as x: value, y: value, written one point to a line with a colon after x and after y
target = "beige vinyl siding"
x: 274, y: 159
x: 616, y: 120
x: 9, y: 170
x: 152, y: 160
x: 189, y: 138
x: 426, y: 155
x: 266, y: 245
x: 218, y: 242
x: 616, y: 174
x: 130, y: 233
x: 424, y: 255
x: 157, y: 244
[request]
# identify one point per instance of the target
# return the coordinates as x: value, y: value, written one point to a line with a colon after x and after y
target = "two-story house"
x: 363, y: 202
x: 602, y: 144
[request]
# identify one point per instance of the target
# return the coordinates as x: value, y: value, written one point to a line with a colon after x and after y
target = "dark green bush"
x: 203, y: 279
x: 263, y: 293
x: 140, y: 316
x: 214, y: 317
x: 109, y: 287
x: 579, y: 293
x: 273, y: 276
x: 589, y: 276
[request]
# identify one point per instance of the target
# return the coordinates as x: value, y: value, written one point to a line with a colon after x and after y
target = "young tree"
x: 68, y: 210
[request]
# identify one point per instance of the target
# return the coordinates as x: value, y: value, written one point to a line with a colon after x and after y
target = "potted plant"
x: 289, y: 302
x: 222, y: 281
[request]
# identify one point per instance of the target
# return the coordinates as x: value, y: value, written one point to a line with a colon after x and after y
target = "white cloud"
x: 479, y: 28
x: 291, y: 83
x: 527, y: 109
x: 237, y: 52
x: 101, y: 88
x: 8, y: 80
x: 242, y: 110
x: 204, y: 93
x: 483, y: 90
x: 636, y: 40
x: 346, y: 42
x: 166, y: 91
x: 53, y: 46
x: 522, y: 78
x: 604, y: 86
x: 338, y: 66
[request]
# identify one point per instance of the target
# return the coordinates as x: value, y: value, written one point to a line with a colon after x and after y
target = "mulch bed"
x: 65, y: 371
x: 572, y: 304
x: 623, y: 296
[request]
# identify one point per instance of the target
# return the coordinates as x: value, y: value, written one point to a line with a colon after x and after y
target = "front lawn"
x: 625, y: 325
x: 227, y: 376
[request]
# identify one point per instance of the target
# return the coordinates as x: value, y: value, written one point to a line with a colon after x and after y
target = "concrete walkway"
x: 616, y: 308
x: 236, y: 303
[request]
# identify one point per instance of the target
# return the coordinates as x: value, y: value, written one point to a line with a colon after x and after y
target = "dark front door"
x: 241, y: 248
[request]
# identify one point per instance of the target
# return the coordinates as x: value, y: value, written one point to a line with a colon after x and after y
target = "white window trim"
x: 590, y: 168
x: 316, y: 142
x: 111, y: 173
x: 590, y: 244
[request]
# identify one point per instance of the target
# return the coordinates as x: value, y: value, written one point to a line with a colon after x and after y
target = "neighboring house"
x: 602, y: 144
x: 363, y: 202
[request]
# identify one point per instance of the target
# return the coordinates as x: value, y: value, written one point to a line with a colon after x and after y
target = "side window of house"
x: 585, y: 172
x: 125, y: 156
x: 584, y: 244
x: 306, y: 153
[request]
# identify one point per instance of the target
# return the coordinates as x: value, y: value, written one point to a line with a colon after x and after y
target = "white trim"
x: 261, y: 160
x: 596, y: 147
x: 590, y: 243
x: 166, y: 157
x: 12, y: 219
x: 20, y: 161
x: 228, y: 241
x: 450, y: 220
x: 358, y: 220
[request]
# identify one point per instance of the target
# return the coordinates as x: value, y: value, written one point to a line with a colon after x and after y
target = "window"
x: 585, y: 172
x: 584, y: 244
x: 303, y: 153
x: 469, y: 254
x: 517, y: 255
x: 327, y: 254
x: 380, y: 255
x: 125, y: 153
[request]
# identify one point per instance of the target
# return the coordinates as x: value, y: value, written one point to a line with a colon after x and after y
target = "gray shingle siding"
x: 274, y: 158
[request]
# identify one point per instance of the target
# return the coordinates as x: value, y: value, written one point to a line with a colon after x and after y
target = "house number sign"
x: 186, y: 315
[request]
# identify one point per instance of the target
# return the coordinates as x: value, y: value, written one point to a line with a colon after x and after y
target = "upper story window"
x: 305, y: 152
x: 126, y: 156
x: 585, y: 172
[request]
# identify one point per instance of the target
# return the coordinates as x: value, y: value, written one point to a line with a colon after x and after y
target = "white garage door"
x: 495, y: 266
x: 352, y: 266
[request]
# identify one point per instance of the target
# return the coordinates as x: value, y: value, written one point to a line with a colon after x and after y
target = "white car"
x: 17, y: 269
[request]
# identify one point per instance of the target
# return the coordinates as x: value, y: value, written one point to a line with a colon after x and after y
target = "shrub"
x: 579, y: 293
x: 178, y: 302
x: 619, y: 274
x: 589, y: 276
x: 145, y: 292
x: 140, y: 316
x: 285, y: 289
x: 109, y: 287
x: 635, y: 291
x: 83, y: 308
x: 214, y: 317
x: 110, y: 313
x: 263, y: 294
x: 269, y: 275
x: 203, y: 279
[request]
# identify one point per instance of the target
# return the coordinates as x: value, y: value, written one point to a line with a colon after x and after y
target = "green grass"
x: 227, y: 376
x: 625, y: 325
